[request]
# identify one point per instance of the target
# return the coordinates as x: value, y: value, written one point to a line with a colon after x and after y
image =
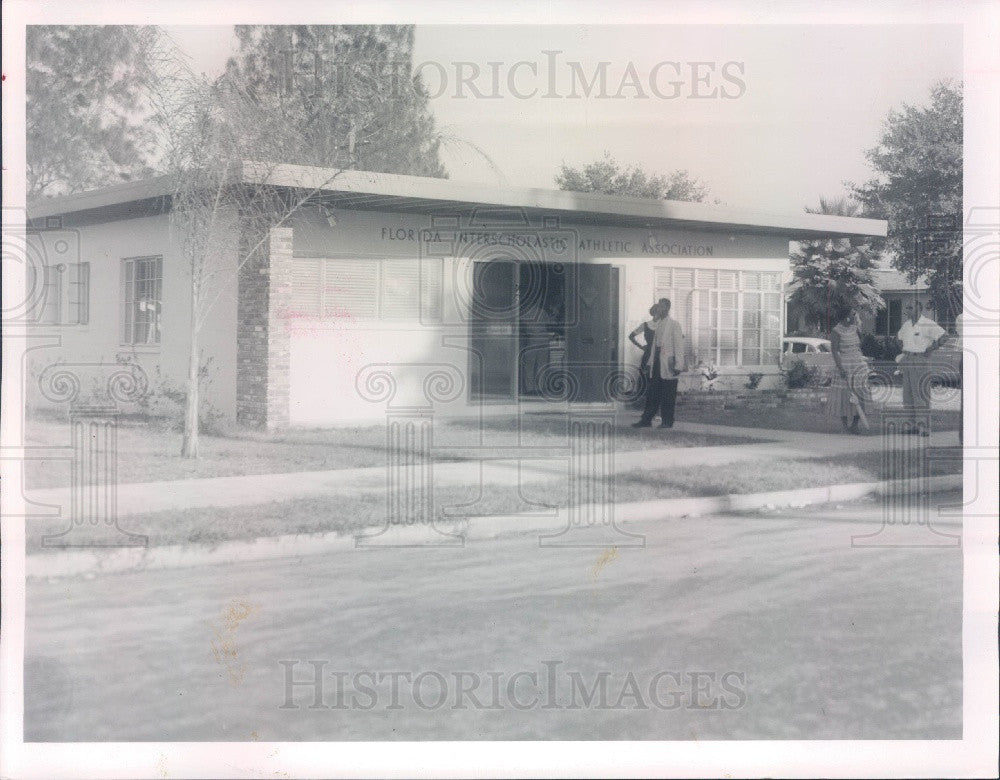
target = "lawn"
x: 793, y: 419
x: 150, y: 453
x: 350, y: 513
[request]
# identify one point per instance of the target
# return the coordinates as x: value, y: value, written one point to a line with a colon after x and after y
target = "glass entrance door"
x: 493, y: 331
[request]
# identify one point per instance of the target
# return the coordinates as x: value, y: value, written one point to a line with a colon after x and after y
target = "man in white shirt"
x: 665, y: 367
x: 960, y: 344
x: 920, y: 336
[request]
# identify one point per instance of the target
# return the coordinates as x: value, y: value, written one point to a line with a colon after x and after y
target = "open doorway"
x: 532, y: 322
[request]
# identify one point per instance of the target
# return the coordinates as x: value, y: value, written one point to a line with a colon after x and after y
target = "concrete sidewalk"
x: 141, y: 497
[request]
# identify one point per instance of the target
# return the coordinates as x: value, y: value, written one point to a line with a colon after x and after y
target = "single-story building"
x: 406, y: 291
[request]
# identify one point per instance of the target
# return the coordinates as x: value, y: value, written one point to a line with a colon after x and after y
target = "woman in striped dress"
x: 851, y: 396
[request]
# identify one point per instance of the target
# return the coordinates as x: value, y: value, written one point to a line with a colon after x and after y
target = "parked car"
x: 944, y: 367
x: 945, y: 364
x: 813, y: 352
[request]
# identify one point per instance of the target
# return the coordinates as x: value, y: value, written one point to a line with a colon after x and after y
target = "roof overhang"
x: 422, y: 195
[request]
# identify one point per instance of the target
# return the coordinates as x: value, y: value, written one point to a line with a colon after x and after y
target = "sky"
x: 801, y: 105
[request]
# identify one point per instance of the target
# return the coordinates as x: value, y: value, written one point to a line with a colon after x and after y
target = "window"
x: 384, y: 290
x: 889, y: 320
x: 78, y: 294
x: 142, y: 300
x: 64, y: 298
x: 730, y: 318
x: 51, y: 304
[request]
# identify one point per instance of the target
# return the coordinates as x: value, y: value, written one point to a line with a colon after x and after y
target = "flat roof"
x: 423, y: 195
x: 891, y: 280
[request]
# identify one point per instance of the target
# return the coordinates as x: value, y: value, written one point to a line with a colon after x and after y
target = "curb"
x: 89, y: 563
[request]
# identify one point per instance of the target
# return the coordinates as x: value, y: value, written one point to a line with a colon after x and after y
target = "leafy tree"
x: 349, y: 88
x: 610, y: 177
x: 918, y: 189
x: 84, y: 88
x: 833, y: 275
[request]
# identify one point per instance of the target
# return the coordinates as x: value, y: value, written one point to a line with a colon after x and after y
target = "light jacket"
x: 668, y: 343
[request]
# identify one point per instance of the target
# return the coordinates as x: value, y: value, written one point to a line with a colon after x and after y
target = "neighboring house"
x: 895, y: 290
x: 400, y: 291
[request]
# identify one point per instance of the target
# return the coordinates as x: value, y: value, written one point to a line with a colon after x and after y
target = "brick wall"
x: 807, y: 398
x: 262, y: 341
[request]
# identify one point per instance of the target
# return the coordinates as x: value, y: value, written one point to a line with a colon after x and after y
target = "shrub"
x: 162, y: 404
x: 753, y: 379
x: 880, y: 347
x: 709, y: 374
x: 799, y: 375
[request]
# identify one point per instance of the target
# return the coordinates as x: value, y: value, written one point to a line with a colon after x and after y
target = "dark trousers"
x: 661, y: 394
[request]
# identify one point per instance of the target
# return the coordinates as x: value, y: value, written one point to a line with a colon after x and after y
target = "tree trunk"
x: 189, y: 444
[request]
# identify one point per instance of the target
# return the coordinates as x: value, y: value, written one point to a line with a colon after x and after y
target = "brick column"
x: 278, y: 339
x: 262, y: 337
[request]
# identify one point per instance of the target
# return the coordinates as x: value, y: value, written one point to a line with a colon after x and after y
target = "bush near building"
x: 883, y: 348
x: 799, y: 375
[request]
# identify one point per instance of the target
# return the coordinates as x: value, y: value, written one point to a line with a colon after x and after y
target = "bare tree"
x: 212, y: 134
x: 220, y: 143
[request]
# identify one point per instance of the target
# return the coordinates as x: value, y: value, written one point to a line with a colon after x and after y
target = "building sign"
x: 556, y: 241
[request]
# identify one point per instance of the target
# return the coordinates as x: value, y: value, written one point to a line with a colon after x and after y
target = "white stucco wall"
x: 331, y: 358
x: 336, y: 362
x: 91, y: 350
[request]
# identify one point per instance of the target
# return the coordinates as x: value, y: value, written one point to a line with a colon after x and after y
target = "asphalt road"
x: 766, y: 626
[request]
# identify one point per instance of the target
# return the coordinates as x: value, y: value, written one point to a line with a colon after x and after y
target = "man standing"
x: 920, y: 336
x: 664, y: 368
x: 960, y: 332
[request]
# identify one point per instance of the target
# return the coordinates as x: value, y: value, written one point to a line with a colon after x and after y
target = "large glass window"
x: 142, y: 300
x: 386, y: 290
x: 729, y: 317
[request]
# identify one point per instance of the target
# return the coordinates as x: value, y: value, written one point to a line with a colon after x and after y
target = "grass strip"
x: 347, y: 514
